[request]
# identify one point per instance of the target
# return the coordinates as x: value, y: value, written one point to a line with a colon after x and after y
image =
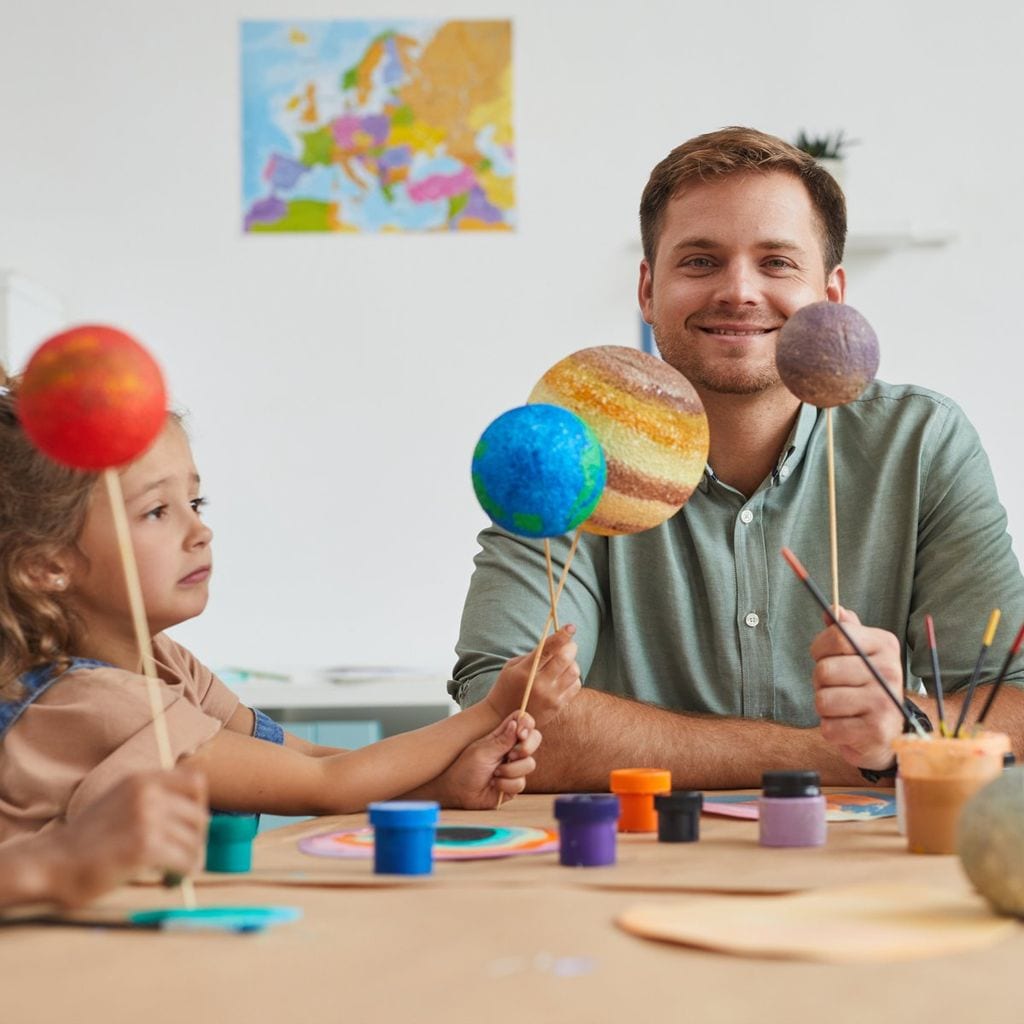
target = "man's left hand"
x: 856, y: 715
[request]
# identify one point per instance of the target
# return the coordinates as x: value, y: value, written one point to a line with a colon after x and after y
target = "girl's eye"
x: 157, y: 513
x: 198, y: 504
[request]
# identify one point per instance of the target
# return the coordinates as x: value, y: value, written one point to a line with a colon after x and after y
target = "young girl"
x: 74, y: 714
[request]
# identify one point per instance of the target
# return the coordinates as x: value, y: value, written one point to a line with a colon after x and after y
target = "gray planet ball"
x: 991, y: 842
x: 826, y: 354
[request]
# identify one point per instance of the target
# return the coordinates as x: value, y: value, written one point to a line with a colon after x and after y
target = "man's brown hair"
x: 735, y: 150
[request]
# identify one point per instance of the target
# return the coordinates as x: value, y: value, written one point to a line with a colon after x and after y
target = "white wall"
x: 337, y: 384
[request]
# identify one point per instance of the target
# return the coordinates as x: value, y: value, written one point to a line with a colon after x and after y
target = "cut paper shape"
x: 225, y: 919
x: 851, y: 805
x: 452, y: 842
x: 872, y: 923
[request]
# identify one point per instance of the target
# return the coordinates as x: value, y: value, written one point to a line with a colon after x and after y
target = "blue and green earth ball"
x: 538, y: 471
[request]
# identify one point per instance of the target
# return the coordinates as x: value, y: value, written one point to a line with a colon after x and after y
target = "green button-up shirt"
x: 702, y: 614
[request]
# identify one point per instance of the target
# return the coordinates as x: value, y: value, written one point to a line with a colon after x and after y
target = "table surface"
x: 518, y: 939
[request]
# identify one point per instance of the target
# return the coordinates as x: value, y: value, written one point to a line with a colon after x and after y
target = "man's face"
x: 736, y: 258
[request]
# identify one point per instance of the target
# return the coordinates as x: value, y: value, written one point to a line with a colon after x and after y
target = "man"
x: 700, y: 651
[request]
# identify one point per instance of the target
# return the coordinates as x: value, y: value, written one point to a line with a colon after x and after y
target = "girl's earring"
x: 59, y: 582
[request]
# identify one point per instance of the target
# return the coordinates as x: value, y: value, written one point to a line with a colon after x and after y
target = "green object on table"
x: 229, y: 842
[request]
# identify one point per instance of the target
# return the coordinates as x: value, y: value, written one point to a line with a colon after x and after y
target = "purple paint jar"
x: 792, y: 809
x: 587, y: 825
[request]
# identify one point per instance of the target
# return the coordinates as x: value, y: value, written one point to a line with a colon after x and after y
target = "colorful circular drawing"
x: 453, y: 842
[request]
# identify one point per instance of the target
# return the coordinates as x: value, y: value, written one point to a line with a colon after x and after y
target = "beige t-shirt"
x: 93, y: 727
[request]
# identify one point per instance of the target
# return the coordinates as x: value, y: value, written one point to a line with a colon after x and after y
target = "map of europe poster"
x: 369, y: 126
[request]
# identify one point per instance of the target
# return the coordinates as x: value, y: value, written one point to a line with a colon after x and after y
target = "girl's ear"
x: 52, y: 574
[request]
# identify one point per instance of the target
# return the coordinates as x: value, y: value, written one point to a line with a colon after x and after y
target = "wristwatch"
x: 922, y: 719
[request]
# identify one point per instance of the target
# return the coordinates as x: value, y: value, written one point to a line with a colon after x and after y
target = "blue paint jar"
x: 229, y: 842
x: 791, y: 809
x: 587, y: 826
x: 403, y: 836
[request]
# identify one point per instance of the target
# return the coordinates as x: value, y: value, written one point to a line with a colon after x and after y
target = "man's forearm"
x: 598, y: 732
x: 1007, y: 714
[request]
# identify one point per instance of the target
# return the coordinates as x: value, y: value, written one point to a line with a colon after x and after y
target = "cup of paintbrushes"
x: 940, y: 774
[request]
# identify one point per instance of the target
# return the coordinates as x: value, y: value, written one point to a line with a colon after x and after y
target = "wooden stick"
x: 551, y: 581
x: 544, y: 635
x: 833, y: 533
x: 142, y: 637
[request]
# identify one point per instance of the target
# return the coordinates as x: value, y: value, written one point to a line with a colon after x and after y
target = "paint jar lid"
x: 680, y: 801
x: 640, y: 780
x: 584, y: 808
x: 790, y: 784
x: 404, y: 814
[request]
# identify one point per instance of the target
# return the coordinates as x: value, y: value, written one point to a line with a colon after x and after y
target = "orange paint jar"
x: 636, y: 789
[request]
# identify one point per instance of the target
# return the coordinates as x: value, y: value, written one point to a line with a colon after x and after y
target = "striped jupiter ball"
x: 538, y: 471
x: 827, y: 354
x: 649, y: 421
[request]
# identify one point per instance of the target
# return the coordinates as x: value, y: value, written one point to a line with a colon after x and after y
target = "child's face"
x: 171, y: 542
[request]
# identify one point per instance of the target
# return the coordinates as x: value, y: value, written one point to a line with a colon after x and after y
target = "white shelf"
x: 418, y: 691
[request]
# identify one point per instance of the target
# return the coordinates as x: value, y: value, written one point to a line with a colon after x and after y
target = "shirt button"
x: 751, y: 619
x: 746, y: 516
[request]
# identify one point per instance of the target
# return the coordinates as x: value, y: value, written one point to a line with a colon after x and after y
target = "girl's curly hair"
x: 43, y: 507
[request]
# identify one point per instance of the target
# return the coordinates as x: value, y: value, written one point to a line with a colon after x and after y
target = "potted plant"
x: 829, y: 149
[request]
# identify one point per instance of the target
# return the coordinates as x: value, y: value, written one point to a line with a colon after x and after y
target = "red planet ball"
x: 92, y: 397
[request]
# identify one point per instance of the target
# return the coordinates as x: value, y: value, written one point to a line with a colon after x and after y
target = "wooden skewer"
x: 141, y: 627
x: 833, y: 533
x: 544, y: 635
x: 551, y: 581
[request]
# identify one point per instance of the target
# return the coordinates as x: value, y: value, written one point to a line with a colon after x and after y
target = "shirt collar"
x: 790, y: 456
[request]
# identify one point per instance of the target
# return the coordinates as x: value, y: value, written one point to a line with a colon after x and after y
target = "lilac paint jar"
x: 792, y: 809
x: 587, y: 826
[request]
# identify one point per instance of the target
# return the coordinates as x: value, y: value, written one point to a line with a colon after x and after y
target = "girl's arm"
x: 242, y: 721
x: 247, y: 774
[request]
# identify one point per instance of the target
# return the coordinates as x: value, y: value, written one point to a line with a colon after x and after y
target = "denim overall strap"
x: 265, y: 728
x: 35, y: 683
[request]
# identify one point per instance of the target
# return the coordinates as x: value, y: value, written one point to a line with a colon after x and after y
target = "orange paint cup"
x: 636, y: 789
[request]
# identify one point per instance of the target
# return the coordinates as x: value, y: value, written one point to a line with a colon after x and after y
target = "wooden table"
x: 520, y: 939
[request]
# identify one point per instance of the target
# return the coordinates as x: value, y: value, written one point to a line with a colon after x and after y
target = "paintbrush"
x: 802, y: 573
x: 986, y: 643
x: 1002, y: 672
x: 929, y: 626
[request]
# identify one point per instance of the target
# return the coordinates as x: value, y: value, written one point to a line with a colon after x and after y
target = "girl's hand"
x: 496, y: 763
x: 556, y: 683
x: 155, y: 821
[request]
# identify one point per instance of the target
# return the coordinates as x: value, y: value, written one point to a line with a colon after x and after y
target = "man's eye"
x: 198, y: 504
x: 778, y: 263
x: 698, y: 262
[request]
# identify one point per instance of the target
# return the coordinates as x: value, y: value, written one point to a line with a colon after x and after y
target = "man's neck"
x: 748, y: 433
